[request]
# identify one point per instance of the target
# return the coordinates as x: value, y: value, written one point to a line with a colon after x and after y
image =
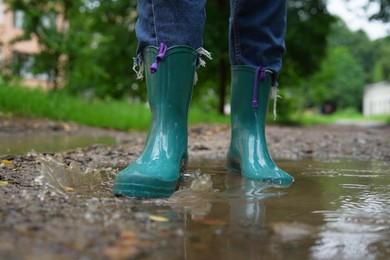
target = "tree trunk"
x: 222, y: 85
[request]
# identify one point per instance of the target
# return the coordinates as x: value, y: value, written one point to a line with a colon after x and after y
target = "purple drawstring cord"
x: 260, y: 70
x: 162, y: 51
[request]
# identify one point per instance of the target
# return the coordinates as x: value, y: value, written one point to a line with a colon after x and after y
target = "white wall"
x: 1, y: 12
x: 376, y: 99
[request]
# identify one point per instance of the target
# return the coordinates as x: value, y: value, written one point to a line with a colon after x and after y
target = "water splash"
x: 197, y: 194
x: 195, y: 199
x: 202, y: 183
x: 60, y: 179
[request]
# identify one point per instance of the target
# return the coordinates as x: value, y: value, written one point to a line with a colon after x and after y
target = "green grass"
x: 197, y: 115
x: 58, y: 105
x: 120, y: 114
x: 309, y: 119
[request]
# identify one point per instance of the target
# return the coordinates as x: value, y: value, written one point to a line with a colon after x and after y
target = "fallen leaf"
x: 4, y: 183
x: 158, y: 218
x: 7, y: 162
x: 66, y: 127
x: 208, y: 133
x: 68, y: 189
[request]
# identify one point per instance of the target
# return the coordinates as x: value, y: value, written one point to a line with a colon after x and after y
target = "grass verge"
x: 57, y: 105
x: 347, y: 115
x: 122, y: 115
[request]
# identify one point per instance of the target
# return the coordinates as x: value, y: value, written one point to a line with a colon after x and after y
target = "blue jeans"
x: 257, y: 28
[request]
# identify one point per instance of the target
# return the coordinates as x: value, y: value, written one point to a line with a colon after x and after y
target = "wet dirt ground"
x: 40, y: 221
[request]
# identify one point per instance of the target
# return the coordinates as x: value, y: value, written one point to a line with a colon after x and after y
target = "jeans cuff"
x: 139, y: 69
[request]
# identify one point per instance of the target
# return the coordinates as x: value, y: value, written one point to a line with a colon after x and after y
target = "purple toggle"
x: 259, y: 70
x: 153, y: 68
x: 162, y: 51
x: 262, y: 75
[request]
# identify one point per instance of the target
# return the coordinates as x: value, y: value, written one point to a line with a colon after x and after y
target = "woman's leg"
x: 257, y: 30
x: 172, y: 22
x: 175, y: 26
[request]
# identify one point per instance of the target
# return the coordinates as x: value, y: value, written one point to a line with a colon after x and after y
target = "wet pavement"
x: 336, y: 209
x: 59, y: 205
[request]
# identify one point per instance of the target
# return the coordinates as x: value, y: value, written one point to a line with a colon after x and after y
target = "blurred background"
x: 72, y: 60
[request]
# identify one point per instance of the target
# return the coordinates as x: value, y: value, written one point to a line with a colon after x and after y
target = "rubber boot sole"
x: 142, y: 186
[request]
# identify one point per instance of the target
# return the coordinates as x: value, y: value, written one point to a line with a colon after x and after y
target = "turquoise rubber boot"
x: 248, y: 152
x: 156, y: 172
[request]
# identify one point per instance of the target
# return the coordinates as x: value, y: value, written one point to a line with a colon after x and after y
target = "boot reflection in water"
x: 169, y: 49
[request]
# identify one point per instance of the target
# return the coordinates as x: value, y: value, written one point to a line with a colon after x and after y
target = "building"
x: 21, y: 53
x: 376, y: 100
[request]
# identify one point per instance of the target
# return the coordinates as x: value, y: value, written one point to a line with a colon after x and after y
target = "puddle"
x: 336, y: 209
x: 23, y: 144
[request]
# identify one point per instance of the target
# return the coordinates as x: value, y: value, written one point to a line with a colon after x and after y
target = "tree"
x: 214, y: 81
x: 383, y: 13
x: 340, y: 80
x: 381, y: 68
x: 40, y: 20
x: 358, y: 43
x: 308, y: 26
x: 101, y: 46
x: 90, y: 47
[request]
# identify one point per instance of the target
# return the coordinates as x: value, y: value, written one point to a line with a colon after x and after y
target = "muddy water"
x: 338, y: 209
x: 335, y: 209
x: 21, y: 144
